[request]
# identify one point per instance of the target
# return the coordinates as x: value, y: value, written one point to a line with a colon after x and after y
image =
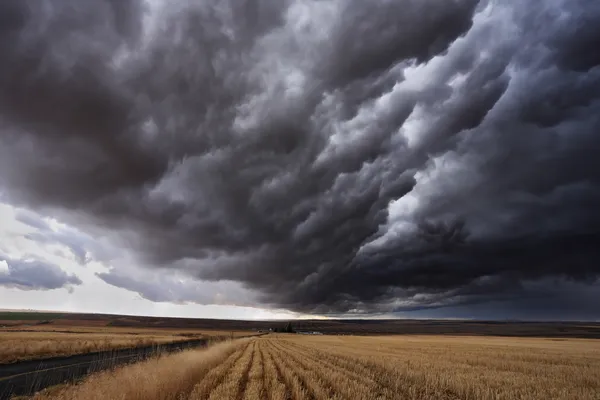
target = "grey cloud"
x: 542, y: 301
x: 369, y: 38
x: 33, y: 220
x: 164, y: 287
x: 74, y: 243
x: 306, y: 150
x: 83, y: 247
x: 35, y: 275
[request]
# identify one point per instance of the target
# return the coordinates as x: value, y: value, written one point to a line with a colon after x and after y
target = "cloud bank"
x: 29, y: 274
x: 330, y: 156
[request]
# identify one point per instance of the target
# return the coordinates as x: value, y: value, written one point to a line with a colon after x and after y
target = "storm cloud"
x: 29, y: 274
x: 83, y: 247
x: 176, y: 288
x: 330, y: 156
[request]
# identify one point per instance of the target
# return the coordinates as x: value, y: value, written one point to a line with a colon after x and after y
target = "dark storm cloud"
x: 545, y: 300
x: 333, y: 156
x: 35, y: 275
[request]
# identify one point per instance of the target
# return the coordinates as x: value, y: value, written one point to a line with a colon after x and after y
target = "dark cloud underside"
x: 334, y: 156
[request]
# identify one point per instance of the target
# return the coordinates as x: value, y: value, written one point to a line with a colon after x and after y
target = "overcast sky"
x: 280, y: 158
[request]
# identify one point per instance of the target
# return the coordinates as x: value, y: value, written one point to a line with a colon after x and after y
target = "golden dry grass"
x: 18, y: 346
x: 278, y: 367
x: 444, y: 367
x: 171, y: 377
x: 124, y: 330
x: 36, y: 342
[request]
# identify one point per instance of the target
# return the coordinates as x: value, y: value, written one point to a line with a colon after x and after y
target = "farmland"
x: 93, y: 322
x: 33, y: 335
x: 280, y: 366
x: 19, y: 346
x: 42, y: 341
x: 28, y: 316
x: 363, y: 359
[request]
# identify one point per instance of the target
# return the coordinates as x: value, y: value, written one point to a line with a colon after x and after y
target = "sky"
x: 292, y: 158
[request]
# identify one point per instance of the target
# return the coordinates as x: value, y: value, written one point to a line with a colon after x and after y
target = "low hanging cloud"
x: 83, y: 247
x: 29, y: 274
x: 330, y: 156
x: 175, y: 288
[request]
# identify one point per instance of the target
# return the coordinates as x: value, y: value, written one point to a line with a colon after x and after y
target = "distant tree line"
x: 287, y: 329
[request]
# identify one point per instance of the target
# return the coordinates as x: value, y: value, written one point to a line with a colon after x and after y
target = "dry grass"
x: 19, y: 346
x: 43, y: 341
x: 281, y: 367
x: 124, y: 330
x: 170, y: 377
x: 443, y: 367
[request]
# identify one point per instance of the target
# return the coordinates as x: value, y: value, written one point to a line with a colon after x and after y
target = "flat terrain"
x: 30, y: 342
x: 28, y: 316
x: 353, y: 359
x: 288, y: 366
x: 33, y: 320
x: 28, y: 377
x: 19, y: 346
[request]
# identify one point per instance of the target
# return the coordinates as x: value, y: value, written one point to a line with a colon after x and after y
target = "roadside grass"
x: 20, y: 346
x: 169, y: 377
x: 47, y: 341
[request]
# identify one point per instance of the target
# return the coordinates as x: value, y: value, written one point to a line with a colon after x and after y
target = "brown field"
x: 56, y: 320
x: 44, y: 341
x: 358, y: 367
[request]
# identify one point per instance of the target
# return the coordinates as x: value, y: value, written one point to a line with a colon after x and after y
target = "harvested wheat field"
x: 346, y: 367
x: 42, y: 341
x: 19, y: 346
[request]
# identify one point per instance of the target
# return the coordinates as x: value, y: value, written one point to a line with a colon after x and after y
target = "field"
x: 18, y: 346
x: 288, y: 366
x: 28, y: 316
x: 47, y: 320
x: 37, y: 342
x: 354, y: 359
